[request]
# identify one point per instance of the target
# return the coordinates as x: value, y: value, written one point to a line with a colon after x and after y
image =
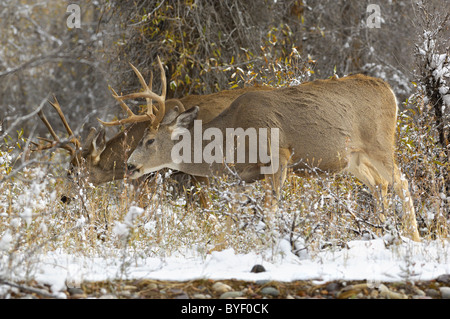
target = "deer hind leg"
x: 362, y: 168
x: 401, y: 188
x: 377, y: 175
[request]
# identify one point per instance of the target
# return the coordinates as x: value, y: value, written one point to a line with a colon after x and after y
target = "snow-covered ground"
x: 362, y: 260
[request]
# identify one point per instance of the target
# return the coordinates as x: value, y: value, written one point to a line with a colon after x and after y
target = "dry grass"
x: 314, y: 214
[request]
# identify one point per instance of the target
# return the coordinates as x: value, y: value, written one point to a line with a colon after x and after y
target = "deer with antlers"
x: 334, y: 125
x: 100, y: 161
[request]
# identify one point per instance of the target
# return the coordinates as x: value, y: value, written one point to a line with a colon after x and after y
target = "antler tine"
x: 161, y: 99
x: 40, y: 147
x: 149, y: 95
x: 132, y: 118
x: 147, y: 87
x: 50, y: 143
x: 57, y: 107
x: 122, y: 103
x: 48, y: 125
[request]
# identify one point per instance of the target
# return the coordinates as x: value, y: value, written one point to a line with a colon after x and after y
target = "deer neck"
x: 199, y: 150
x: 216, y: 148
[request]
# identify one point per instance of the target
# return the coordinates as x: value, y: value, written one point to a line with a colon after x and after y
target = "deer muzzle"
x: 133, y: 169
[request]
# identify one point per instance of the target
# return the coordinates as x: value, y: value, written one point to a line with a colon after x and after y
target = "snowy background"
x: 326, y: 229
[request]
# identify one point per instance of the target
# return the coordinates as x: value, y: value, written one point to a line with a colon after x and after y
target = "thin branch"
x: 23, y: 118
x: 27, y: 289
x: 37, y: 61
x: 149, y: 14
x: 29, y: 63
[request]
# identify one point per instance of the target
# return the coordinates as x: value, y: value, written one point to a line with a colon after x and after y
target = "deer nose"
x: 131, y: 167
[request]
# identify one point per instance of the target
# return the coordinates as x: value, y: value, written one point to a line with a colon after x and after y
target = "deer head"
x: 85, y: 154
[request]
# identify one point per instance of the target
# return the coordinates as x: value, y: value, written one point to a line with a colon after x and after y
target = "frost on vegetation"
x: 122, y: 229
x: 179, y: 233
x: 26, y: 215
x: 6, y: 241
x: 24, y: 202
x: 390, y: 75
x: 437, y: 64
x: 441, y: 73
x: 5, y: 160
x: 34, y: 195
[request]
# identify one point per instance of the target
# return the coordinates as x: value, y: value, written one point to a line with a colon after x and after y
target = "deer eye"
x: 149, y: 142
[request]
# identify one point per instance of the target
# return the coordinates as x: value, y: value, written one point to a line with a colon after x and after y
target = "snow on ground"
x: 361, y: 260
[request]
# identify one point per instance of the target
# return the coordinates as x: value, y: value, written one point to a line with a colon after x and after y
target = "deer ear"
x: 97, y: 146
x: 171, y: 115
x: 88, y: 141
x: 185, y: 119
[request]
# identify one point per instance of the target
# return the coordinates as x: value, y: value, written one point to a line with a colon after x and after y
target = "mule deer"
x: 336, y: 125
x: 103, y: 161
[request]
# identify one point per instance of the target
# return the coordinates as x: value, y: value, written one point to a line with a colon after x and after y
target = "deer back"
x: 322, y: 121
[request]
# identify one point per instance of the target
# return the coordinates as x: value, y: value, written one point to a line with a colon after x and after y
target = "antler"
x: 57, y: 142
x: 149, y: 95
